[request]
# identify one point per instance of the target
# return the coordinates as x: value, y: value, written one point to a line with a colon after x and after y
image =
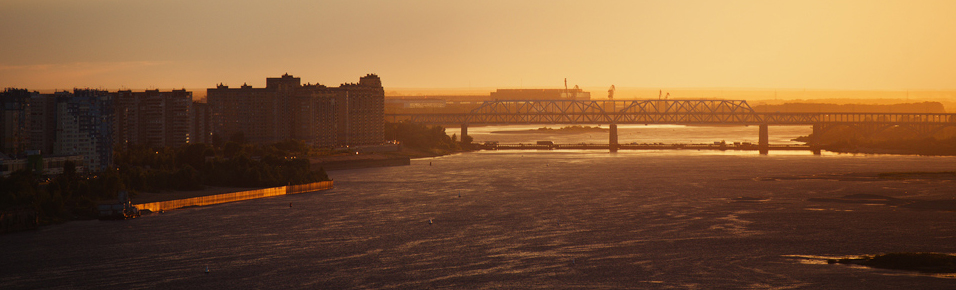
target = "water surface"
x: 525, y: 219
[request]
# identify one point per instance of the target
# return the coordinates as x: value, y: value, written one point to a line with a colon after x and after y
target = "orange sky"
x: 138, y: 44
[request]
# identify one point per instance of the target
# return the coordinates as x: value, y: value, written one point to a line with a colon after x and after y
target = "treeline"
x: 895, y: 140
x: 234, y: 164
x: 65, y: 197
x: 923, y: 107
x: 426, y: 138
x: 140, y: 168
x: 919, y: 146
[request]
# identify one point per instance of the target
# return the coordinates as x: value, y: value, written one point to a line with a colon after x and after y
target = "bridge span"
x: 678, y: 112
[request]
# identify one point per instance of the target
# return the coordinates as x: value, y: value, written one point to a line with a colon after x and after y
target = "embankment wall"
x: 234, y: 196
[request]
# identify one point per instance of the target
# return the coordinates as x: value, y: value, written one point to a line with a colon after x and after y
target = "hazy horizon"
x: 817, y: 45
x: 755, y: 96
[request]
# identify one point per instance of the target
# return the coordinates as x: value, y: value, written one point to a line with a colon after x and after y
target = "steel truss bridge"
x: 681, y: 112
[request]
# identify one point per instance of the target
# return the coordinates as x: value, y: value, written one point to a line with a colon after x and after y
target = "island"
x: 563, y: 130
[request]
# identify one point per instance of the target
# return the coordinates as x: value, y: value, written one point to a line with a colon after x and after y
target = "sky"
x: 141, y: 44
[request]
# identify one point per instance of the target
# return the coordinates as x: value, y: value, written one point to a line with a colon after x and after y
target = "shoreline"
x: 328, y: 163
x: 562, y: 130
x: 885, y: 151
x: 227, y: 197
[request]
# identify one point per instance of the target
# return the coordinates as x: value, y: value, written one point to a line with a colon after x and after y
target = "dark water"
x: 525, y: 219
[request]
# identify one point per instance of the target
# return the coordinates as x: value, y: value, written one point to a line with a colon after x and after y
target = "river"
x: 667, y: 134
x: 522, y: 220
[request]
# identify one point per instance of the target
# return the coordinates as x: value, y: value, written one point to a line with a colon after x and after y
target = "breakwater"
x: 234, y: 196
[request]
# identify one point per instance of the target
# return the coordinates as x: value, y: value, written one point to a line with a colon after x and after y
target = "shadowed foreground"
x: 524, y: 220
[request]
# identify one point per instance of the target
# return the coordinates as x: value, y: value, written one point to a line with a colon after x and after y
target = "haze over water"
x: 667, y: 134
x: 525, y: 219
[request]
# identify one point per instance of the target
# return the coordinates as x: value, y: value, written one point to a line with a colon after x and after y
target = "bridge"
x: 678, y: 112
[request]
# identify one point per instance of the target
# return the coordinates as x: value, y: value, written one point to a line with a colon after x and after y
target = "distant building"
x: 153, y: 118
x: 91, y: 124
x: 50, y: 165
x: 42, y: 121
x: 43, y: 131
x: 541, y: 94
x: 14, y: 112
x: 417, y: 103
x: 199, y: 130
x: 85, y: 127
x: 360, y: 112
x: 314, y: 118
x: 351, y: 114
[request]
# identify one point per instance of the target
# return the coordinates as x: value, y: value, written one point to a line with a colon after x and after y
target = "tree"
x: 238, y: 137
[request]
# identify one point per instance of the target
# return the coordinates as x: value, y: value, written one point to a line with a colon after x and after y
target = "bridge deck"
x: 687, y: 112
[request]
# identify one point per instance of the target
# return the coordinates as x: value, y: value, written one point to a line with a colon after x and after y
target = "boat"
x: 121, y: 210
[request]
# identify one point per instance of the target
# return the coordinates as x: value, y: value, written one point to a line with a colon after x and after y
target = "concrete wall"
x: 234, y: 196
x: 315, y: 186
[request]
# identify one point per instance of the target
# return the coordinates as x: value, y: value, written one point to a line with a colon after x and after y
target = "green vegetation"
x: 138, y: 169
x: 66, y: 196
x: 192, y: 167
x: 920, y: 262
x: 921, y: 146
x: 234, y: 164
x: 893, y: 140
x: 923, y: 107
x: 563, y: 130
x: 574, y: 128
x: 430, y: 139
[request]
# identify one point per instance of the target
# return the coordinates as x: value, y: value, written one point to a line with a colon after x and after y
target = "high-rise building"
x: 85, y: 127
x: 14, y: 110
x: 153, y: 118
x: 199, y: 130
x: 42, y: 121
x: 351, y: 114
x: 246, y: 111
x: 314, y: 116
x: 361, y: 112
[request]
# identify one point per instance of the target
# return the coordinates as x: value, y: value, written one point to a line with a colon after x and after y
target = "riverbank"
x: 329, y: 163
x: 147, y: 197
x: 564, y: 130
x: 233, y: 196
x: 548, y: 220
x: 894, y: 151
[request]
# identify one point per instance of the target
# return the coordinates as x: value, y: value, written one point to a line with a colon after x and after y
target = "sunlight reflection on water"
x: 525, y: 219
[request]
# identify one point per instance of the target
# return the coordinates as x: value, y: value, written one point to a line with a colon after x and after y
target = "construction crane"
x: 566, y: 95
x: 659, y: 94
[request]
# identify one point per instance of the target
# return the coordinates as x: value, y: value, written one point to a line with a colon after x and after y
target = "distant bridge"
x: 680, y: 112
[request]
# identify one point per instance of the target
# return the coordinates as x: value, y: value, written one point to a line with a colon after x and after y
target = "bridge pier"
x: 815, y: 139
x: 763, y: 143
x: 464, y: 132
x: 612, y: 138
